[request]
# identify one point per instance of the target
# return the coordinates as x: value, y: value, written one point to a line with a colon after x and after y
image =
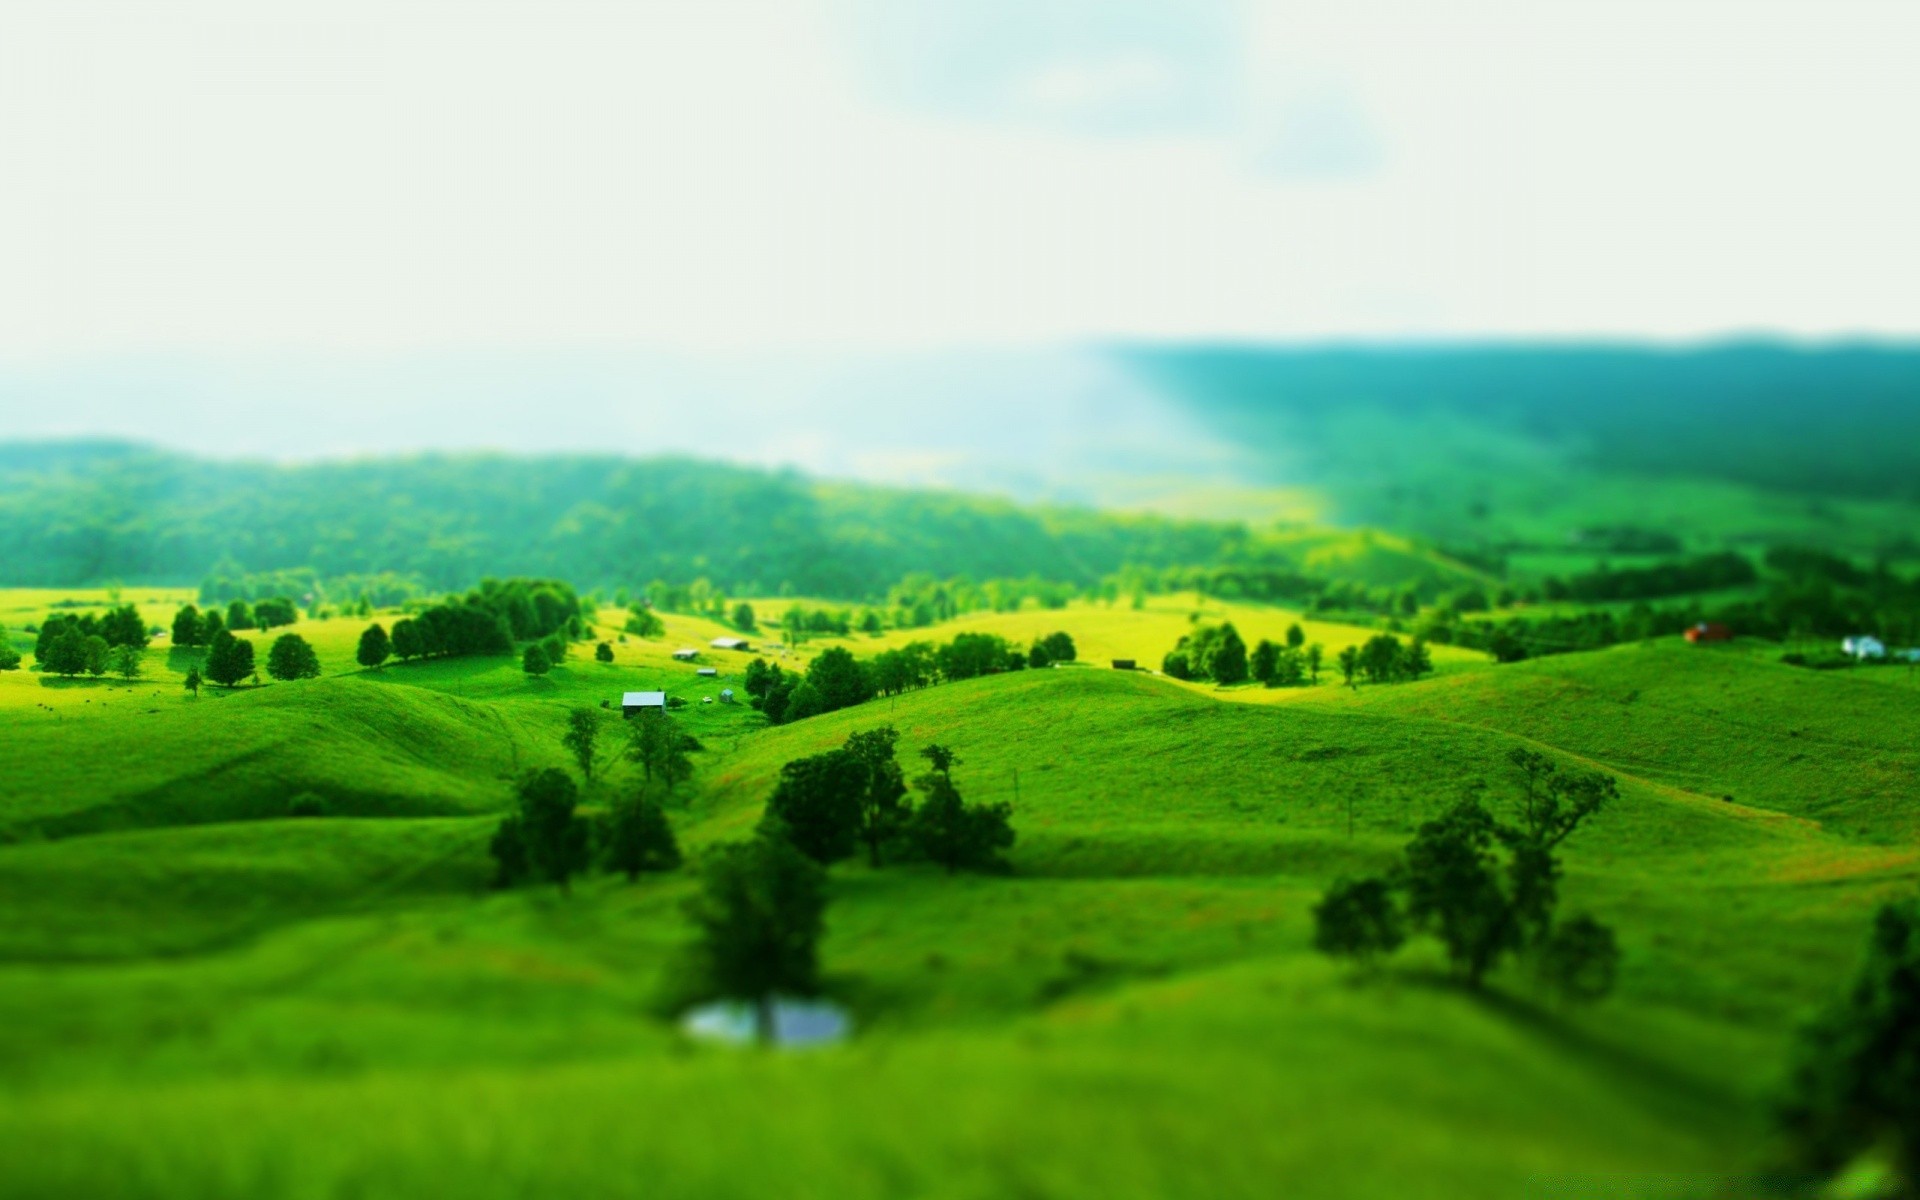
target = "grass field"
x: 200, y: 996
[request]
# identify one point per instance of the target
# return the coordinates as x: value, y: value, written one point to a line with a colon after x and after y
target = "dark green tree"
x: 817, y: 803
x: 291, y: 657
x: 127, y: 661
x: 192, y: 681
x: 883, y: 808
x: 535, y: 660
x: 1265, y: 662
x: 123, y: 627
x: 1228, y: 663
x: 96, y: 651
x: 229, y: 659
x: 1176, y: 666
x: 375, y: 647
x: 743, y: 616
x: 657, y: 746
x: 9, y: 657
x: 65, y: 653
x: 583, y: 732
x: 1854, y: 1087
x: 839, y: 679
x: 1316, y: 655
x: 239, y: 615
x: 186, y: 626
x: 1296, y: 636
x: 603, y: 652
x: 1059, y: 647
x: 1579, y: 959
x: 636, y: 836
x: 1349, y: 661
x: 759, y: 913
x: 1358, y: 919
x: 951, y: 832
x: 1451, y: 880
x: 1383, y: 659
x: 544, y: 838
x: 802, y: 701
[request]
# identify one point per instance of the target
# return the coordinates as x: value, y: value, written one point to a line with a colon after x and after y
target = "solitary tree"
x: 743, y: 616
x: 760, y: 913
x: 817, y: 804
x: 291, y: 657
x: 375, y: 647
x: 543, y: 838
x: 229, y: 659
x: 535, y: 661
x: 1296, y: 636
x: 583, y: 730
x: 66, y: 653
x: 603, y: 652
x: 192, y: 681
x: 1452, y: 885
x: 636, y: 837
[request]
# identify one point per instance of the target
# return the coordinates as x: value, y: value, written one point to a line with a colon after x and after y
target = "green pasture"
x: 201, y: 996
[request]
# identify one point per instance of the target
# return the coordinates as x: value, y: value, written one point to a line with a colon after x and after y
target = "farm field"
x: 201, y: 995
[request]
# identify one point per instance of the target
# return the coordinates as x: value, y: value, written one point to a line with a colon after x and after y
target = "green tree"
x: 1383, y: 659
x: 1037, y: 656
x: 544, y: 838
x: 950, y: 831
x: 186, y: 626
x: 9, y: 657
x: 643, y: 622
x: 1176, y: 666
x: 1855, y: 1080
x: 535, y: 661
x: 636, y: 836
x: 839, y: 679
x: 656, y: 745
x: 407, y: 643
x: 291, y: 657
x: 1451, y: 879
x: 65, y: 654
x: 375, y: 647
x: 817, y: 802
x: 229, y: 659
x: 1059, y: 647
x: 1358, y: 919
x: 1265, y: 662
x: 1316, y: 655
x: 1296, y: 636
x: 583, y: 731
x: 603, y: 652
x: 759, y: 913
x: 239, y: 615
x: 743, y: 616
x: 1349, y: 661
x: 123, y: 626
x: 95, y: 650
x: 1228, y: 663
x: 127, y: 661
x: 1419, y: 660
x: 192, y: 681
x: 802, y: 701
x: 883, y: 810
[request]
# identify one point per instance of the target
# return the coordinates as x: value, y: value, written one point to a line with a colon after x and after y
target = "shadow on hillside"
x: 180, y: 658
x: 79, y: 681
x: 1658, y: 1082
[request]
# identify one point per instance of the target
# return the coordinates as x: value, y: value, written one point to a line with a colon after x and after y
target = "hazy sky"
x: 393, y: 176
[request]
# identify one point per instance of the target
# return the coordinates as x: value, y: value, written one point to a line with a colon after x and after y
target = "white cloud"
x: 218, y: 178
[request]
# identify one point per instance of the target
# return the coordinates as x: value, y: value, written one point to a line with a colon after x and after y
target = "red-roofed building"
x: 1709, y: 631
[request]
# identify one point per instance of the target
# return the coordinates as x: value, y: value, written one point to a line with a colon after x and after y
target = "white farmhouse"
x: 1864, y: 647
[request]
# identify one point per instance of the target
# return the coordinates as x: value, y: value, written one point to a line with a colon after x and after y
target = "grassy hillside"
x: 200, y: 996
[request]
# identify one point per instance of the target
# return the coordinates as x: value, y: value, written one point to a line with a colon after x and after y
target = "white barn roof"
x: 728, y: 643
x: 643, y: 700
x: 686, y: 652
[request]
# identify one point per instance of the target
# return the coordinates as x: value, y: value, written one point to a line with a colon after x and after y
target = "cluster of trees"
x: 1215, y: 652
x: 1453, y: 883
x: 833, y: 681
x: 192, y: 627
x: 353, y: 593
x: 836, y: 680
x: 490, y: 619
x: 1291, y: 665
x: 831, y: 805
x: 82, y: 643
x: 1383, y: 659
x: 1705, y: 573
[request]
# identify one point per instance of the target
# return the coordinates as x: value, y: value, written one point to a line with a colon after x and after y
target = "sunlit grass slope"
x: 227, y: 1002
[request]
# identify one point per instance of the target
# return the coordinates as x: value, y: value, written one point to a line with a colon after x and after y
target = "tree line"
x: 835, y: 679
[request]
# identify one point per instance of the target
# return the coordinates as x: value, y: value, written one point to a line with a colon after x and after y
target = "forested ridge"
x: 73, y: 513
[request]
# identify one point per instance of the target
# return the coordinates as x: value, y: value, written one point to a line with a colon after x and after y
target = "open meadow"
x: 201, y: 994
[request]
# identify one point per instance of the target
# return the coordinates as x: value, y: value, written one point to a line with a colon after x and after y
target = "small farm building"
x: 1709, y: 631
x: 686, y: 654
x: 726, y: 695
x: 633, y: 702
x: 729, y: 643
x: 706, y: 671
x: 1124, y: 664
x: 1864, y: 647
